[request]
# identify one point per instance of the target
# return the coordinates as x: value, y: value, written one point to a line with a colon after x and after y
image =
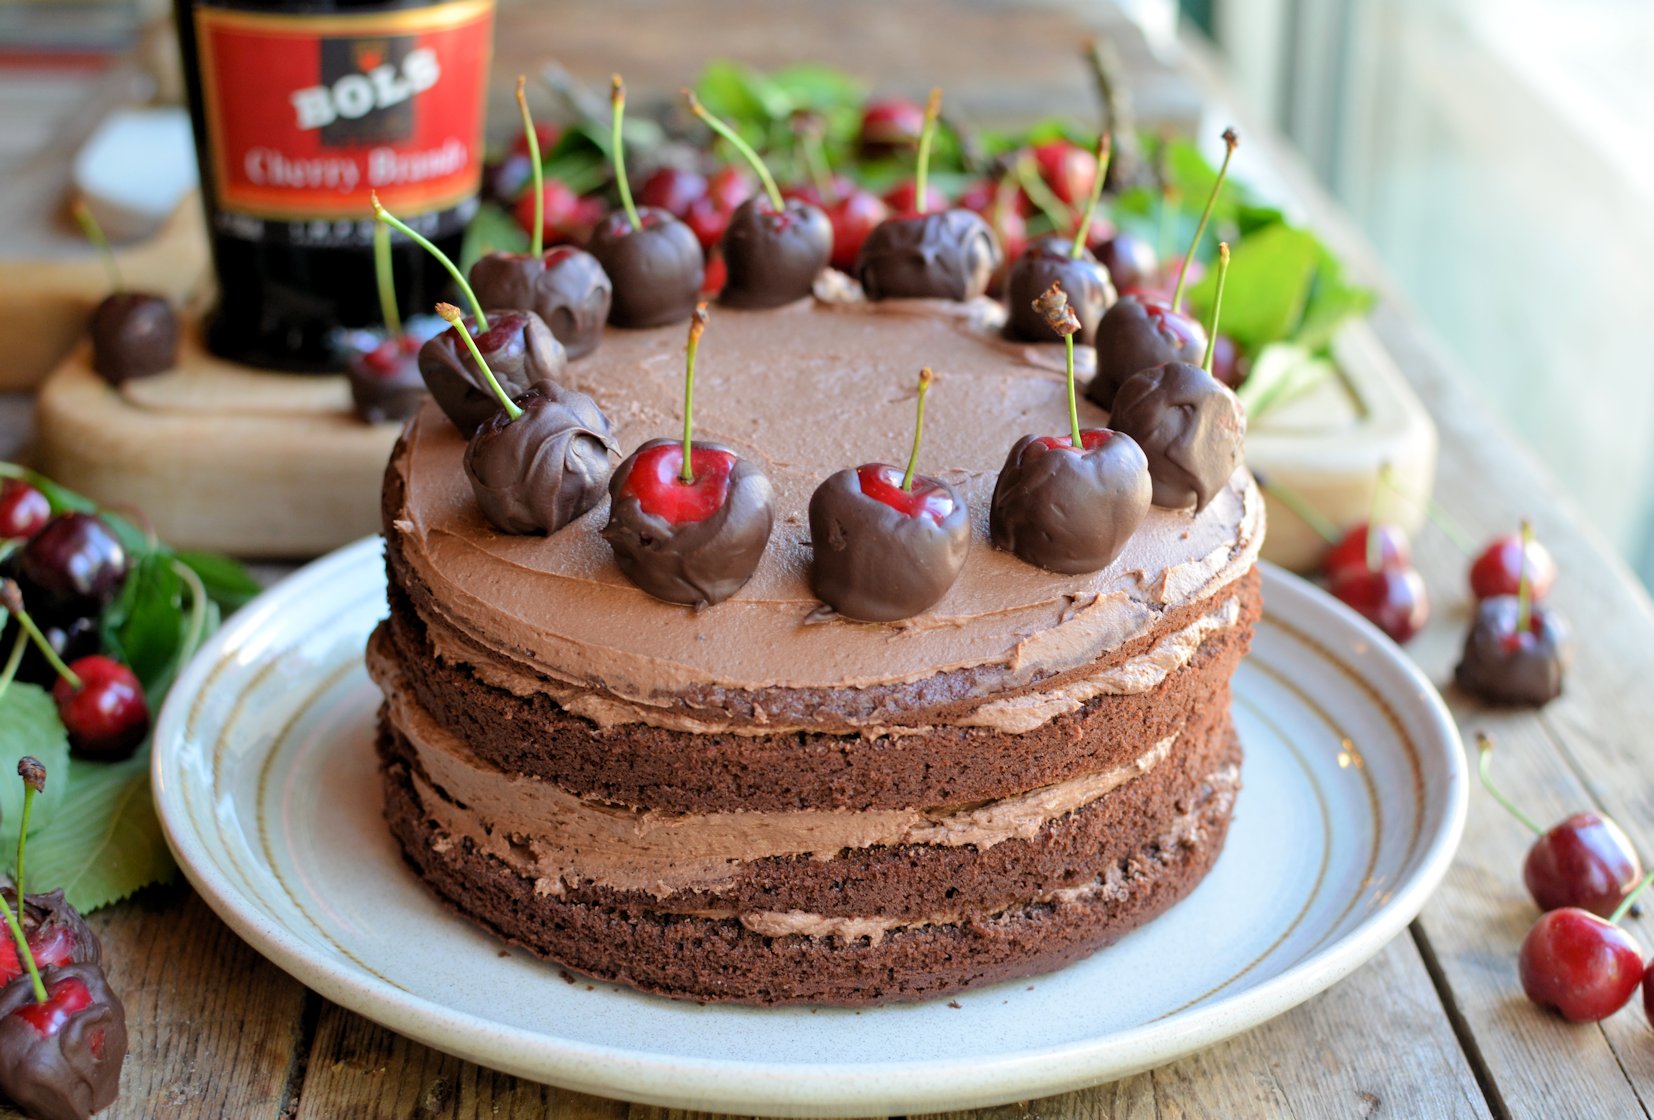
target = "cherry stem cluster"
x: 1484, y: 748
x: 1230, y: 140
x: 925, y: 379
x: 537, y: 236
x: 106, y: 253
x: 1105, y: 151
x: 933, y: 111
x: 617, y: 150
x: 452, y: 316
x: 389, y: 219
x: 740, y: 145
x: 1217, y: 308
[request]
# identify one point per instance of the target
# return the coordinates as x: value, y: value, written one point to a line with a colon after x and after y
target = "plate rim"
x: 790, y: 1088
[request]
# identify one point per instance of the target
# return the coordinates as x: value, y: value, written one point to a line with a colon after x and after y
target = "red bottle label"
x: 308, y: 116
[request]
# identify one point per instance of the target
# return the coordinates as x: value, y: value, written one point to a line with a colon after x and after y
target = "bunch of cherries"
x: 60, y: 574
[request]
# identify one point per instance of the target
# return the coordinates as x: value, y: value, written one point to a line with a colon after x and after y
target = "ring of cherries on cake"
x: 689, y: 520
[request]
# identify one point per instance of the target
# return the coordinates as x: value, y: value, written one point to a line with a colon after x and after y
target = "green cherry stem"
x: 33, y: 773
x: 94, y: 234
x: 24, y: 953
x: 452, y: 315
x: 1230, y: 140
x: 740, y: 145
x: 1438, y: 516
x: 383, y: 278
x: 1105, y: 150
x: 9, y: 673
x: 697, y: 327
x: 389, y: 219
x: 1217, y: 307
x: 11, y: 597
x: 1300, y: 506
x: 814, y: 153
x: 925, y: 379
x: 1524, y: 583
x: 1630, y: 900
x: 1374, y: 549
x: 933, y: 111
x: 537, y: 237
x: 1075, y: 440
x: 1484, y: 749
x: 617, y: 104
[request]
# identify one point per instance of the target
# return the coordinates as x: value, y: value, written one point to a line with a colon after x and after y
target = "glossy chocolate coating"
x: 698, y: 562
x: 876, y: 563
x: 540, y: 471
x: 1191, y: 427
x: 1136, y: 334
x: 134, y: 334
x: 948, y: 254
x: 656, y: 270
x: 1046, y: 262
x: 564, y: 286
x: 74, y: 1071
x: 1130, y: 260
x: 385, y: 382
x: 518, y: 347
x: 774, y: 258
x: 1068, y: 512
x: 1500, y: 666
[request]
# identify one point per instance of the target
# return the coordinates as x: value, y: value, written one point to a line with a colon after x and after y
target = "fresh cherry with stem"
x: 24, y: 510
x: 1579, y: 964
x: 102, y: 707
x: 888, y: 543
x: 689, y: 519
x: 134, y: 334
x: 73, y: 567
x: 1142, y: 330
x: 654, y: 261
x: 1497, y: 570
x: 1370, y: 570
x: 774, y: 247
x: 1067, y: 262
x: 1516, y: 651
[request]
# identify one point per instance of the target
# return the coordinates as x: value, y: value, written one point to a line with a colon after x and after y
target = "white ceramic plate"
x: 1354, y: 798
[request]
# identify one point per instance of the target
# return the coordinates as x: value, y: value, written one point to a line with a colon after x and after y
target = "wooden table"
x: 1435, y: 1025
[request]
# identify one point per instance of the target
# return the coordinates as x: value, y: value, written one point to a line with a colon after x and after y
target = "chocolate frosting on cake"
x: 1133, y: 336
x: 1507, y: 668
x: 520, y: 350
x: 700, y: 563
x: 1069, y: 512
x: 1192, y: 429
x: 1046, y: 261
x: 540, y: 471
x: 134, y: 334
x: 877, y: 564
x: 948, y: 254
x: 774, y: 258
x: 657, y: 271
x: 565, y: 286
x: 74, y: 1071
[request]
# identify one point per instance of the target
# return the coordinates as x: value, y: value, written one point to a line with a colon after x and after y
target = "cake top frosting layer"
x: 804, y: 391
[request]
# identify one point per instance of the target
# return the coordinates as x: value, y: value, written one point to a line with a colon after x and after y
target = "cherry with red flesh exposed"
x: 1131, y: 261
x: 1580, y: 965
x: 1141, y: 331
x: 24, y: 510
x: 774, y: 248
x: 890, y: 126
x: 72, y: 568
x: 1498, y: 569
x: 1066, y: 262
x: 888, y: 543
x: 134, y: 334
x: 1070, y: 503
x: 1516, y: 651
x: 654, y: 261
x: 688, y: 520
x: 102, y: 707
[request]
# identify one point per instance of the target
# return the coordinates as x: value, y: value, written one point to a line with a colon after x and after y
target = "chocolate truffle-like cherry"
x: 653, y: 260
x: 542, y: 459
x: 888, y: 543
x: 1190, y: 425
x: 1065, y: 261
x: 948, y: 254
x: 1069, y: 503
x: 1511, y: 660
x: 688, y: 520
x: 774, y: 247
x: 134, y: 334
x: 382, y: 366
x: 1142, y: 330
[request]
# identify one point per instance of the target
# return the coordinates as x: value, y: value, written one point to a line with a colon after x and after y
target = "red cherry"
x: 1090, y: 440
x: 891, y: 124
x: 883, y: 483
x: 545, y: 133
x: 672, y: 189
x: 1581, y: 965
x: 715, y: 276
x: 729, y: 186
x: 654, y: 482
x: 837, y: 186
x: 1498, y: 570
x: 1227, y: 364
x: 106, y: 717
x: 64, y: 997
x: 24, y: 510
x: 902, y: 199
x: 1585, y: 862
x: 1069, y: 170
x: 707, y: 221
x: 1393, y: 598
x: 562, y: 211
x: 853, y: 216
x: 1351, y: 550
x: 53, y: 947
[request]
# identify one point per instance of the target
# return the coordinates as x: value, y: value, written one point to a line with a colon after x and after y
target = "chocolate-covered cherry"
x: 1512, y: 659
x: 56, y: 933
x: 774, y: 248
x: 888, y: 126
x: 102, y: 707
x: 24, y: 510
x: 61, y: 1057
x: 134, y: 334
x: 653, y: 260
x: 1498, y: 569
x: 1070, y: 503
x: 1064, y: 261
x: 72, y: 568
x: 1131, y: 261
x: 385, y: 382
x: 688, y: 521
x: 518, y: 347
x: 888, y: 543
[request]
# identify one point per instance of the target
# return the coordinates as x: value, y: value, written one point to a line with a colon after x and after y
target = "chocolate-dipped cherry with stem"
x: 947, y: 254
x: 520, y: 349
x: 1070, y: 503
x: 653, y: 260
x: 566, y: 287
x: 542, y: 459
x: 888, y: 543
x: 1065, y: 261
x: 1586, y: 861
x: 688, y: 520
x: 1516, y: 651
x: 1580, y: 965
x: 383, y: 368
x: 774, y: 248
x: 1191, y: 426
x: 1141, y: 330
x: 134, y: 334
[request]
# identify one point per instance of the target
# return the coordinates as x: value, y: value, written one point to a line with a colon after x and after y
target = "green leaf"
x: 1269, y: 279
x: 111, y: 845
x: 145, y: 627
x: 1280, y: 372
x: 491, y: 229
x: 745, y: 99
x: 819, y: 88
x: 1332, y: 302
x: 228, y: 583
x: 29, y: 726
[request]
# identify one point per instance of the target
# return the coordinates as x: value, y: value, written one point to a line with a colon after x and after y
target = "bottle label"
x: 308, y: 116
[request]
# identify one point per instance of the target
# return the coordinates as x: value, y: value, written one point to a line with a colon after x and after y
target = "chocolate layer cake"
x: 760, y: 801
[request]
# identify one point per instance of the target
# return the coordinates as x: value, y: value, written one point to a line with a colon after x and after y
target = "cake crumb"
x: 505, y: 952
x: 568, y: 977
x: 953, y: 1003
